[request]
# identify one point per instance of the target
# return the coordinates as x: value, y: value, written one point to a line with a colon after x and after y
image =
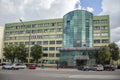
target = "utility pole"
x: 29, y: 49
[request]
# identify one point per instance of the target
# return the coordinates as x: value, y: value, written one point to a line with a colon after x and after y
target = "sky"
x: 27, y: 10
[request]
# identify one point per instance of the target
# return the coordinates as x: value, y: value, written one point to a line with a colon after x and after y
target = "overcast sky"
x: 27, y: 10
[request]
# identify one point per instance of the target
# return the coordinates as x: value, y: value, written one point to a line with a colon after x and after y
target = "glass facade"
x: 70, y: 57
x: 78, y: 29
x: 77, y: 39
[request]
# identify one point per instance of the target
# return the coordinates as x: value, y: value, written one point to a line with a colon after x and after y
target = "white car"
x: 21, y: 66
x: 99, y: 67
x: 10, y: 66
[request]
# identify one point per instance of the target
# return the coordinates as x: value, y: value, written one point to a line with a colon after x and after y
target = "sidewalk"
x: 55, y: 69
x: 62, y: 69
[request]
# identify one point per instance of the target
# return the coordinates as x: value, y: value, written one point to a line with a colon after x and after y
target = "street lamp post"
x: 29, y: 42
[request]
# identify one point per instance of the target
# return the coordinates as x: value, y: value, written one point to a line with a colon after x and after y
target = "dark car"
x: 84, y: 68
x: 109, y: 67
x: 32, y: 66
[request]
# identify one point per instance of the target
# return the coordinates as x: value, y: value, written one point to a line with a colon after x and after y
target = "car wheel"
x: 13, y: 68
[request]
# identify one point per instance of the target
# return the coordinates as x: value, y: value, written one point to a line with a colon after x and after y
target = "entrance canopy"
x: 81, y: 57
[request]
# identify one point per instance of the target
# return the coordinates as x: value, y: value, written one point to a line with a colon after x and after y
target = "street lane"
x: 61, y: 74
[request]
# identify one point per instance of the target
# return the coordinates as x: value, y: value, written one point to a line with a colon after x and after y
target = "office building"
x: 1, y: 43
x: 76, y: 31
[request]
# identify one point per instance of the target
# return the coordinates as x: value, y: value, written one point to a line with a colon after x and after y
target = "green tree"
x: 9, y: 53
x: 103, y: 54
x: 21, y: 53
x: 114, y: 50
x: 36, y: 52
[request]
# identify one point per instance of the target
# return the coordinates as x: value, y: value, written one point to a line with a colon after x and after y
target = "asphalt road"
x: 60, y: 74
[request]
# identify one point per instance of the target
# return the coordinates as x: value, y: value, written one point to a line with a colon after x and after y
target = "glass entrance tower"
x: 78, y: 29
x: 77, y: 39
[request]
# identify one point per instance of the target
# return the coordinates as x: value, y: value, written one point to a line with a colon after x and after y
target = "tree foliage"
x: 21, y: 53
x: 36, y: 52
x: 114, y: 50
x: 9, y: 52
x: 103, y: 54
x: 12, y: 52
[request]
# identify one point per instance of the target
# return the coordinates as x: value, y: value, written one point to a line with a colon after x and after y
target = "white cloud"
x: 90, y: 9
x: 111, y: 7
x: 11, y: 11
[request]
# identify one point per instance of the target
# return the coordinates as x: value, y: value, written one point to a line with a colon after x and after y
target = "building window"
x: 26, y: 43
x: 57, y: 55
x: 52, y: 36
x: 28, y: 26
x: 16, y: 43
x: 46, y: 24
x: 52, y: 30
x: 58, y: 42
x: 96, y: 27
x: 46, y: 36
x: 39, y: 37
x: 52, y: 24
x: 52, y: 42
x: 40, y: 31
x: 59, y: 36
x: 97, y: 34
x: 51, y: 55
x: 34, y: 26
x: 28, y: 31
x: 104, y: 21
x: 33, y: 31
x: 5, y: 43
x: 33, y: 43
x: 60, y: 24
x: 59, y: 30
x: 105, y: 41
x: 52, y: 61
x: 45, y: 42
x: 57, y: 48
x: 104, y: 34
x: 33, y: 37
x: 40, y: 25
x: 45, y: 55
x: 96, y: 21
x: 96, y: 41
x: 104, y: 27
x: 46, y: 30
x: 39, y: 42
x: 45, y: 48
x: 52, y: 48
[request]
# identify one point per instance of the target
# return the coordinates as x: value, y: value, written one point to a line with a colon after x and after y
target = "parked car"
x: 109, y: 67
x: 91, y: 67
x: 32, y: 66
x: 21, y: 66
x: 84, y: 68
x: 98, y: 67
x: 10, y: 67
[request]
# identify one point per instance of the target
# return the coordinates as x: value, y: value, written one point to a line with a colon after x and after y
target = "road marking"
x: 111, y: 77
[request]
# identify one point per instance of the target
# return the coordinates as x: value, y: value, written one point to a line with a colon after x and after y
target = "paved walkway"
x: 60, y: 69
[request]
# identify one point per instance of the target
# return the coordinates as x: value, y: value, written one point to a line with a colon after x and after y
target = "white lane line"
x: 111, y: 77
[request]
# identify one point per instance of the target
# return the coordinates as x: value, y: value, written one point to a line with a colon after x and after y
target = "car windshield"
x: 8, y: 64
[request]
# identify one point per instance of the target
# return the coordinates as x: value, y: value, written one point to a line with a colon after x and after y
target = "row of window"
x: 37, y: 42
x: 102, y: 34
x: 51, y: 48
x: 35, y: 25
x: 100, y: 27
x: 104, y: 21
x: 101, y: 41
x: 49, y: 61
x: 33, y: 37
x: 51, y: 55
x: 35, y: 31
